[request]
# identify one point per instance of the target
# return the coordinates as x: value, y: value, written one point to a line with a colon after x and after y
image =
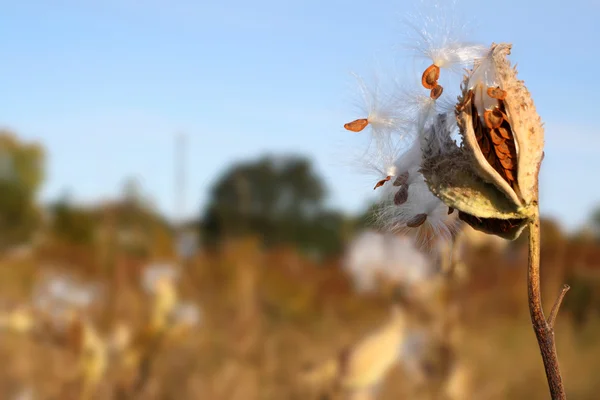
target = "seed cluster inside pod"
x: 493, y: 132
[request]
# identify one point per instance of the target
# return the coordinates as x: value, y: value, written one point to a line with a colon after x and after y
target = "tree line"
x: 279, y: 199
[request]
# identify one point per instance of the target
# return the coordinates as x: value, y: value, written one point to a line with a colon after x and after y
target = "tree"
x: 280, y: 199
x: 71, y: 223
x: 21, y: 174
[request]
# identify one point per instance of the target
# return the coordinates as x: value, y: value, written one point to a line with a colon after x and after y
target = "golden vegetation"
x: 265, y: 316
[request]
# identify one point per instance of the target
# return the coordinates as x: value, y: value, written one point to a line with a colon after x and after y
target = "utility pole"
x: 185, y: 241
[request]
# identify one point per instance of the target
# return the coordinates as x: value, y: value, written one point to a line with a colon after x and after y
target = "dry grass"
x: 265, y: 316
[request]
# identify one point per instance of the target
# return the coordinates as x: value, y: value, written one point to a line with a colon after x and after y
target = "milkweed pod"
x: 521, y: 119
x: 492, y: 178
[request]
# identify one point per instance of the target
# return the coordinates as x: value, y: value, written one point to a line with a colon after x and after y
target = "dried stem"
x: 557, y: 303
x: 544, y: 331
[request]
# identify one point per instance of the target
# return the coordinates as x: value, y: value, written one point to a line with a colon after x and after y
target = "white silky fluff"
x: 53, y: 290
x: 404, y: 118
x: 373, y: 255
x: 420, y: 200
x: 382, y: 108
x: 437, y: 33
x: 400, y: 156
x: 188, y: 314
x: 153, y: 273
x: 393, y: 217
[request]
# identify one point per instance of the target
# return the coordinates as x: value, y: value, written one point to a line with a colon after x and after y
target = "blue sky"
x: 105, y: 85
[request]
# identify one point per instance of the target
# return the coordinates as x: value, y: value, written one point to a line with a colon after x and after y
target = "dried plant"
x: 92, y: 355
x: 373, y: 258
x: 169, y: 319
x: 20, y: 320
x: 426, y: 285
x: 358, y: 370
x: 56, y: 317
x: 60, y: 317
x: 478, y: 158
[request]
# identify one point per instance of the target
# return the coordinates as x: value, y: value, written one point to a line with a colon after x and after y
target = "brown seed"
x: 401, y: 195
x: 507, y: 163
x: 485, y: 145
x: 436, y: 92
x: 496, y: 93
x: 501, y: 155
x: 497, y: 138
x: 401, y: 179
x: 478, y: 135
x: 450, y: 210
x: 477, y: 128
x: 509, y: 175
x: 503, y: 148
x: 430, y: 76
x: 382, y: 182
x: 416, y: 221
x: 504, y: 132
x: 493, y: 119
x: 357, y: 125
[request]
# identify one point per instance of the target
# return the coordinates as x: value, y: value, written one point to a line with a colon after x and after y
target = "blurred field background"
x: 241, y: 262
x: 112, y: 300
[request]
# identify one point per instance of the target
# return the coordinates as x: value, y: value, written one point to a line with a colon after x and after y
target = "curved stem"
x: 544, y: 332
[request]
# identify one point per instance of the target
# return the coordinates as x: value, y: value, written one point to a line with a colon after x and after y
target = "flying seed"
x: 416, y: 221
x: 382, y: 182
x: 430, y: 76
x: 496, y: 93
x: 436, y: 92
x: 401, y: 179
x: 401, y: 195
x: 357, y: 125
x: 493, y: 119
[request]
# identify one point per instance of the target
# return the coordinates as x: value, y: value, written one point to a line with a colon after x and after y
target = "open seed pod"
x: 492, y: 178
